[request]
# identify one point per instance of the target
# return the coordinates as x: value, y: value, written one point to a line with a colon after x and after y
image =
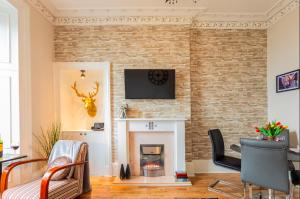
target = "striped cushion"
x: 64, y: 189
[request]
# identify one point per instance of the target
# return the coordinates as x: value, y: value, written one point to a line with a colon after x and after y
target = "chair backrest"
x: 217, y: 143
x: 81, y: 158
x: 77, y: 151
x: 285, y: 137
x: 264, y: 163
x: 79, y: 170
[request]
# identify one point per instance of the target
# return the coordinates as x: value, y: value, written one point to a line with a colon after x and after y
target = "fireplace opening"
x: 152, y: 160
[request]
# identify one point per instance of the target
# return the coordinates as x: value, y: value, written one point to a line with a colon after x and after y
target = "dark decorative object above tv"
x: 287, y: 81
x: 149, y: 84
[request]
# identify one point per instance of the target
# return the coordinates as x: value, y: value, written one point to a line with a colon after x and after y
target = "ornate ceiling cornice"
x: 43, y: 10
x: 230, y: 25
x: 277, y: 13
x: 202, y: 20
x: 244, y: 21
x: 124, y: 20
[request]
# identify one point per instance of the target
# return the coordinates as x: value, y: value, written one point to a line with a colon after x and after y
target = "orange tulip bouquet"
x: 271, y: 129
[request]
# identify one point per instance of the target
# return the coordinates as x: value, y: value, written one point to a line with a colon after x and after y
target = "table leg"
x: 0, y: 169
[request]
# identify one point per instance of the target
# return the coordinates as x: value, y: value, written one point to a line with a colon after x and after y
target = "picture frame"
x: 287, y: 81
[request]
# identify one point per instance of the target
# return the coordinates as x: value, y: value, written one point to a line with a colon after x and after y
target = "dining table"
x: 8, y: 158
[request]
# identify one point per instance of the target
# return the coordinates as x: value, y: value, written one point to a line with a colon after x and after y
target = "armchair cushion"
x: 64, y: 189
x: 70, y: 148
x: 60, y: 161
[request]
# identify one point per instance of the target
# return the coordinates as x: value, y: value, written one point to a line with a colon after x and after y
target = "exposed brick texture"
x: 133, y: 47
x: 220, y: 74
x: 228, y: 84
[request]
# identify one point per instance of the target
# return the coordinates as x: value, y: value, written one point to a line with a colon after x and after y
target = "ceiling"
x: 157, y: 7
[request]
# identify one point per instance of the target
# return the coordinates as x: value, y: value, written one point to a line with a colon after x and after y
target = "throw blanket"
x: 70, y: 148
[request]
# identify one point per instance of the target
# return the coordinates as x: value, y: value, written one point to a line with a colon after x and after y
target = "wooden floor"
x: 104, y: 189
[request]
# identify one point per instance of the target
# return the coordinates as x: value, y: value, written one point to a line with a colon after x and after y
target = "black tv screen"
x: 149, y: 84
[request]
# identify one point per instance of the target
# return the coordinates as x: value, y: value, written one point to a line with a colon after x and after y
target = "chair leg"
x: 245, y: 191
x: 291, y: 195
x: 260, y: 193
x: 250, y: 191
x: 271, y: 194
x: 212, y: 187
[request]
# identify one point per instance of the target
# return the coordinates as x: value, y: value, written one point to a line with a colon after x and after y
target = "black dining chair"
x: 220, y: 159
x: 264, y: 163
x: 294, y: 174
x: 295, y: 177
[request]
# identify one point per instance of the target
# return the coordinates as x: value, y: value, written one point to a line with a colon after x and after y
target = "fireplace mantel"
x: 150, y: 119
x: 157, y: 125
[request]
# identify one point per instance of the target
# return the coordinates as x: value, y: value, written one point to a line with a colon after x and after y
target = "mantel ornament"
x: 123, y: 111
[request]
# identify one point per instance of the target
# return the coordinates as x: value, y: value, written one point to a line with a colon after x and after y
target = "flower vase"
x: 271, y: 138
x: 127, y: 172
x: 122, y: 172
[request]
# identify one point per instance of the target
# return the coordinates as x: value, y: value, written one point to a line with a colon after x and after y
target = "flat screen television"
x: 149, y: 84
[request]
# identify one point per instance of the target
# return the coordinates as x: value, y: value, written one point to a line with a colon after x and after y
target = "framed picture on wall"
x: 287, y: 81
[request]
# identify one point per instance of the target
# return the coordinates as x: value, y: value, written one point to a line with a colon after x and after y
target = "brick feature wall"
x: 133, y: 47
x: 228, y: 84
x: 220, y: 74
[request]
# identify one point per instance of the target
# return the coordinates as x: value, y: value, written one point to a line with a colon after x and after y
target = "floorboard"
x: 104, y: 189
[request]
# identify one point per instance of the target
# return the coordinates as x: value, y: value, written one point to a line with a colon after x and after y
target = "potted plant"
x: 46, y: 140
x: 271, y: 130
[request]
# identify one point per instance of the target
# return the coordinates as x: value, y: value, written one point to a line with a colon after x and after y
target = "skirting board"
x: 196, y: 166
x: 205, y: 166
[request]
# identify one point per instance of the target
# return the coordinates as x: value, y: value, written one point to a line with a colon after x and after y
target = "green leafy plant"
x: 47, y: 139
x: 271, y: 129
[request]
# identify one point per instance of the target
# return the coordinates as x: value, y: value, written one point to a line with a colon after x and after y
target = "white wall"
x: 283, y: 56
x: 42, y: 94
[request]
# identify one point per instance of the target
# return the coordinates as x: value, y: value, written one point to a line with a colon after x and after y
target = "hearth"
x: 152, y: 160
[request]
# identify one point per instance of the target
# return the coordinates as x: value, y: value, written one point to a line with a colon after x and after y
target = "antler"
x: 74, y: 87
x: 93, y: 94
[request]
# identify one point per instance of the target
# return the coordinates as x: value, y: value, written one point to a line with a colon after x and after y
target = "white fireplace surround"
x: 152, y: 125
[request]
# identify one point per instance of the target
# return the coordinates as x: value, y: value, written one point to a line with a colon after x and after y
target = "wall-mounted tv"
x: 149, y: 84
